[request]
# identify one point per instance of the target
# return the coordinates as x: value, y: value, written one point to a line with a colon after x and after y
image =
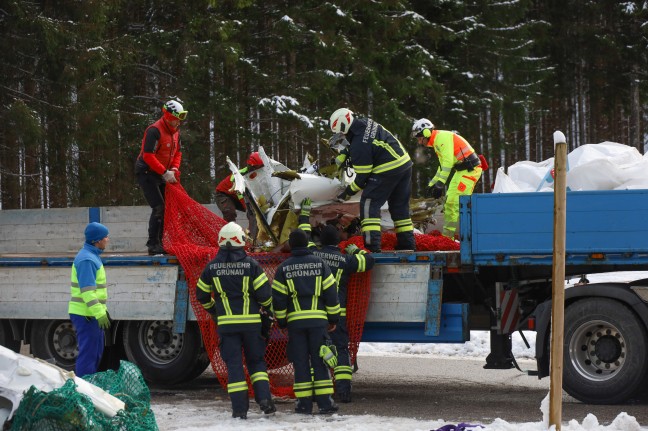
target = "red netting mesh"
x: 190, y: 233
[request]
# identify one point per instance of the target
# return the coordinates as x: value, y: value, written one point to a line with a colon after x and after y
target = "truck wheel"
x: 55, y: 339
x: 7, y: 339
x: 162, y: 356
x: 605, y: 350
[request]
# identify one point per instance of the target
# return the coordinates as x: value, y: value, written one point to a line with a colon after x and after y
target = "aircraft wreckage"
x: 275, y: 193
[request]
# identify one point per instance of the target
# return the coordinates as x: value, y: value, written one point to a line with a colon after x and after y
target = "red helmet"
x: 255, y: 160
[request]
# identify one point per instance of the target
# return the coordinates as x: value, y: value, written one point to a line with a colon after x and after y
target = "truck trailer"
x: 499, y: 281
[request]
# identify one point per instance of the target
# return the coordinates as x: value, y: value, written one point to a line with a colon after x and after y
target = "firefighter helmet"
x: 341, y: 120
x: 420, y: 126
x: 231, y: 234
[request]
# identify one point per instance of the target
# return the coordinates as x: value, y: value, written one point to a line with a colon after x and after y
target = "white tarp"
x: 604, y: 166
x: 18, y: 373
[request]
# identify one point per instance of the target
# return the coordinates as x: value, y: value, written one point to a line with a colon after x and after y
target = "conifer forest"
x: 82, y: 79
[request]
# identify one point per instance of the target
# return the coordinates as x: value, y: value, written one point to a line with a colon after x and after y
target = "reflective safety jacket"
x: 304, y: 291
x: 239, y: 287
x: 374, y: 150
x: 451, y: 149
x: 341, y: 265
x: 161, y: 154
x: 88, y: 293
x: 227, y: 186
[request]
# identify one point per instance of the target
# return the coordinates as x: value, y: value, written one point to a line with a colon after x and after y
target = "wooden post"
x: 558, y: 280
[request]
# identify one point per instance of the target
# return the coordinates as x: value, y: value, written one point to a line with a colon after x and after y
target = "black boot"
x: 329, y: 410
x: 267, y: 406
x: 344, y: 396
x: 156, y: 249
x: 304, y: 406
x: 240, y: 415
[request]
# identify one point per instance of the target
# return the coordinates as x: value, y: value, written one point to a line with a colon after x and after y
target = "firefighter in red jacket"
x: 341, y: 266
x: 454, y: 152
x: 158, y: 163
x: 229, y: 200
x: 383, y: 171
x: 304, y: 295
x: 232, y: 288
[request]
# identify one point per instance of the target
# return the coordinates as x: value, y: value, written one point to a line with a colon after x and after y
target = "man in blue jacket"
x: 88, y: 295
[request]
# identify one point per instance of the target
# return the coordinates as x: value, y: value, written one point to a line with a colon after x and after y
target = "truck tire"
x: 605, y: 349
x: 164, y: 357
x: 55, y: 340
x: 7, y: 339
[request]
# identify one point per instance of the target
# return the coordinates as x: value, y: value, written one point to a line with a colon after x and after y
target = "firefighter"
x: 158, y: 163
x: 454, y: 152
x: 229, y: 200
x: 305, y: 299
x: 341, y: 266
x: 383, y: 172
x: 239, y: 288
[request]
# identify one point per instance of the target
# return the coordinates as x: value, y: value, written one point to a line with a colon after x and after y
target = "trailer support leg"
x: 500, y: 356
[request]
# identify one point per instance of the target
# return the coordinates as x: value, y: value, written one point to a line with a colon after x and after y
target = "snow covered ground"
x: 173, y: 417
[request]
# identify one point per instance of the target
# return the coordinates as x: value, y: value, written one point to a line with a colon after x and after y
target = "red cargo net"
x: 191, y: 234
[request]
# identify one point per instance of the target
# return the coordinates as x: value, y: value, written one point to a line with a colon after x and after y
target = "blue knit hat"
x: 95, y: 232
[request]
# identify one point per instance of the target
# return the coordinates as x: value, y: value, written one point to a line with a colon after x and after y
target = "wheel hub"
x: 162, y: 344
x: 65, y: 342
x: 597, y: 350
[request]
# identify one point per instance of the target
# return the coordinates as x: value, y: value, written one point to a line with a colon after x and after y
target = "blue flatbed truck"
x: 499, y: 281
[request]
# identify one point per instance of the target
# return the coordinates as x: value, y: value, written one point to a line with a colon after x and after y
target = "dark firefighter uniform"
x: 305, y: 300
x: 240, y: 287
x: 341, y: 266
x: 383, y: 172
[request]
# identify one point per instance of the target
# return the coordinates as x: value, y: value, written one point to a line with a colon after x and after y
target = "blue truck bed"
x: 603, y: 228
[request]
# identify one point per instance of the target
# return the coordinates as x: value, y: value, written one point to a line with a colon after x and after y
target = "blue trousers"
x: 90, y: 339
x: 254, y: 346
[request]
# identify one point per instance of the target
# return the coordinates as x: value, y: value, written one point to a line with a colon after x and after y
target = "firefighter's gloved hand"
x: 351, y: 249
x: 437, y: 190
x: 343, y: 197
x: 329, y: 355
x: 169, y: 177
x: 339, y: 160
x: 104, y: 321
x: 306, y: 206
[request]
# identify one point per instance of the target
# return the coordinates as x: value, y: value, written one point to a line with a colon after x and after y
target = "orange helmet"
x: 255, y: 160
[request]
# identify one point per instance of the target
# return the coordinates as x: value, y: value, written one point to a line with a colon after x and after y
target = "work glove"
x: 176, y: 173
x: 343, y: 197
x: 329, y: 355
x: 104, y: 321
x: 339, y: 160
x: 306, y: 207
x: 437, y: 190
x: 351, y: 249
x: 169, y: 177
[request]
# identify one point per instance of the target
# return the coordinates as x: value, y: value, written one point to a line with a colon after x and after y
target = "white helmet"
x: 341, y: 120
x: 421, y: 125
x: 231, y: 234
x: 175, y: 109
